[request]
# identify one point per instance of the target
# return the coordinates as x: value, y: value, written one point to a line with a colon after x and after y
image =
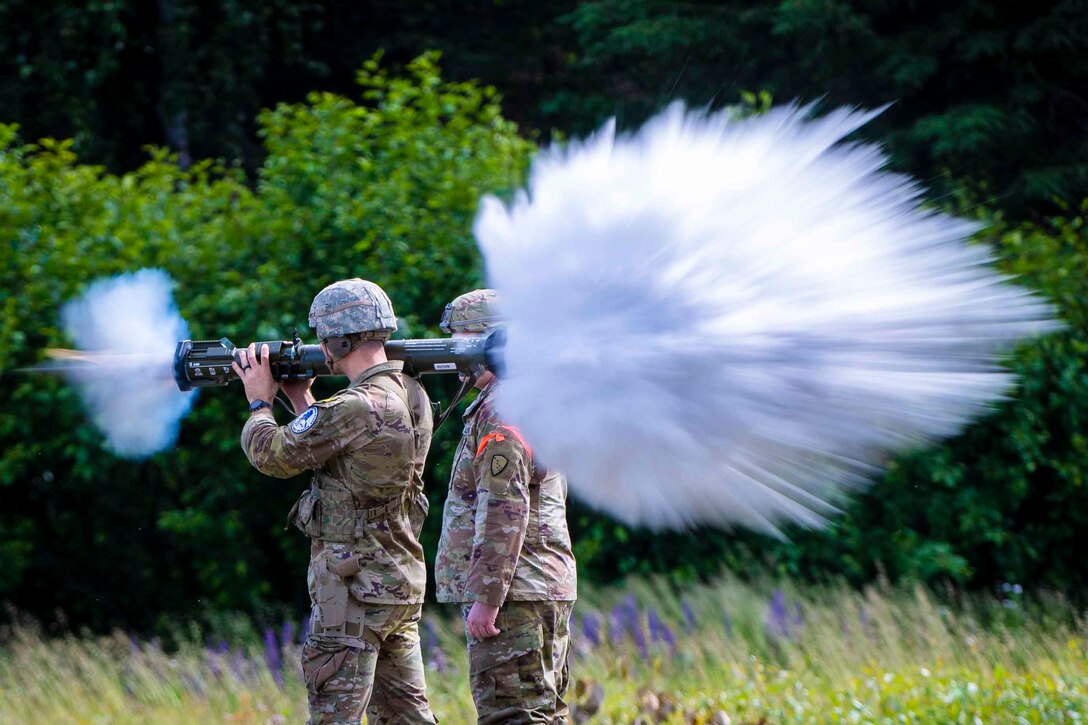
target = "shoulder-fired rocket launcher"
x: 207, y: 363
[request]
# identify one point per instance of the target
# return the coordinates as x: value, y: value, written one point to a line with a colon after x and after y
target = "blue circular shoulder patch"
x: 305, y: 421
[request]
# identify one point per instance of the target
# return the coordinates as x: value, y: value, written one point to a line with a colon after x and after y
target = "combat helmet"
x: 352, y: 308
x: 475, y: 311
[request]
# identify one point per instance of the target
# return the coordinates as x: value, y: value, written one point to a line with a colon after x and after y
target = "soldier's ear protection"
x: 338, y: 347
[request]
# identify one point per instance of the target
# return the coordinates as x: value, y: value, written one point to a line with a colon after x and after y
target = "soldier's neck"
x: 357, y: 361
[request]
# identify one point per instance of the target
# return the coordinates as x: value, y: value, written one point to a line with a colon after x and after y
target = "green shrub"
x: 384, y: 188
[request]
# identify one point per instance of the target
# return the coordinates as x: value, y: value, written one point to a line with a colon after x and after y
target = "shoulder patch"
x: 499, y: 436
x: 305, y: 421
x: 487, y: 439
x: 498, y: 464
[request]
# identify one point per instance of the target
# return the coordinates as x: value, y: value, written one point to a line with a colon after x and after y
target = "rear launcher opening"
x: 207, y: 363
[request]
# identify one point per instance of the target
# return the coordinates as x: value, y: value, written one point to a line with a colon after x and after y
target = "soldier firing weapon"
x: 721, y: 320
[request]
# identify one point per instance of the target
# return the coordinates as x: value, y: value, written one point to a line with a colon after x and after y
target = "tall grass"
x: 645, y: 653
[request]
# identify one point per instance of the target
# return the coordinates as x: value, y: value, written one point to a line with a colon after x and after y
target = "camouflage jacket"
x: 504, y: 527
x: 366, y: 446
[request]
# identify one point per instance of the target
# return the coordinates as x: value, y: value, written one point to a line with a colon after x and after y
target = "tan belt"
x: 375, y: 513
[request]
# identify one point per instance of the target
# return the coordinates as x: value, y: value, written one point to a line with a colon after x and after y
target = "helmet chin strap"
x: 466, y: 385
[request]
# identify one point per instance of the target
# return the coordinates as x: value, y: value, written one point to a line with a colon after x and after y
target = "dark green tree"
x: 116, y: 75
x: 985, y: 91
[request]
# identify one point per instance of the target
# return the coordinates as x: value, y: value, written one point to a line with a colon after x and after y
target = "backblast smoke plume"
x: 126, y: 329
x: 727, y: 321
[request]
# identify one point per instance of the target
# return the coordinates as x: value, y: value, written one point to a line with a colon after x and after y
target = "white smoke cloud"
x: 728, y: 321
x: 129, y: 326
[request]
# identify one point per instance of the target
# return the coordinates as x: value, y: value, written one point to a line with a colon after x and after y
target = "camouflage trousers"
x: 380, y: 671
x: 521, y: 674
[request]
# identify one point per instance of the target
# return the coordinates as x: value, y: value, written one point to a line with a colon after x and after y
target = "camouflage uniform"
x: 366, y: 578
x: 505, y: 542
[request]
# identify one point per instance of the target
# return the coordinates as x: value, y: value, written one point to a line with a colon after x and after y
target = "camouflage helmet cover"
x: 476, y: 311
x: 353, y: 306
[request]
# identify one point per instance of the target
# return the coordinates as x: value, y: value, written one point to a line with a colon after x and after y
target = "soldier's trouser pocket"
x: 339, y: 680
x: 323, y: 662
x: 510, y: 678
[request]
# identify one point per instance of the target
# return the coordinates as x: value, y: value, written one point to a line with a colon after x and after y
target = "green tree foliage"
x: 990, y: 91
x: 993, y: 92
x: 115, y: 75
x: 385, y: 188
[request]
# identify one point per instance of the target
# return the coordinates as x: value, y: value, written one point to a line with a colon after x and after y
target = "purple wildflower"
x: 287, y: 633
x: 591, y: 629
x: 133, y: 644
x: 238, y: 664
x: 213, y: 662
x: 639, y: 635
x: 659, y: 631
x: 689, y: 615
x: 777, y: 622
x: 627, y: 615
x: 272, y: 656
x: 621, y: 621
x: 654, y: 622
x: 430, y: 634
x: 616, y: 628
x: 432, y: 648
x: 437, y: 660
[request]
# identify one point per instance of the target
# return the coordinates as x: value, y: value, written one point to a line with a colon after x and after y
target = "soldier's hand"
x: 256, y: 375
x: 298, y: 392
x: 481, y: 620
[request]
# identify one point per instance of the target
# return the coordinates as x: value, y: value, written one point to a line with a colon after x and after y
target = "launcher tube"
x: 207, y: 363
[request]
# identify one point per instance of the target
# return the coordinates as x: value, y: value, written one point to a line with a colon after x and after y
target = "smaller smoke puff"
x: 130, y: 325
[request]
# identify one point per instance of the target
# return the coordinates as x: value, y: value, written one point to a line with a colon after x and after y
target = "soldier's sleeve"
x: 502, y: 468
x: 320, y: 432
x: 424, y: 417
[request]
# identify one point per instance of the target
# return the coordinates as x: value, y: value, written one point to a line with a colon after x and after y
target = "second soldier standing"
x: 505, y: 553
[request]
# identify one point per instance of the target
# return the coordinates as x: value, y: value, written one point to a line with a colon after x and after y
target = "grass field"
x: 714, y: 654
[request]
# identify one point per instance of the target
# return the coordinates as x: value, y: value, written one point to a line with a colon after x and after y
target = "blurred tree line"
x: 367, y: 172
x: 993, y: 92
